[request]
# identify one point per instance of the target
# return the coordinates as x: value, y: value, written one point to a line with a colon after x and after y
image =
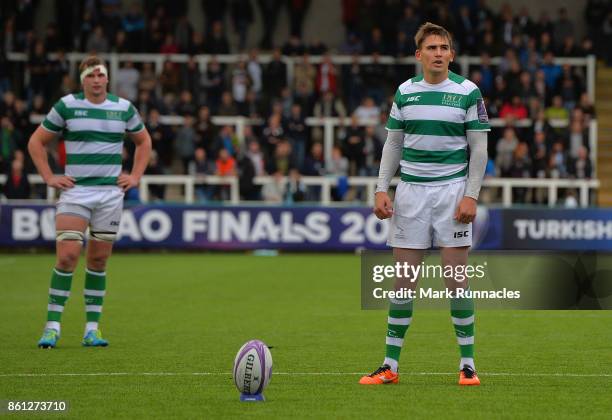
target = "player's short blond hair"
x: 90, y: 61
x: 428, y: 29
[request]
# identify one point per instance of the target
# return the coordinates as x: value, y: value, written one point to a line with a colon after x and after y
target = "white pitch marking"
x: 483, y: 374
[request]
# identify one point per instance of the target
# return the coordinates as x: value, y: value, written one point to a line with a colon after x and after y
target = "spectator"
x: 297, y: 134
x: 169, y: 46
x: 17, y: 185
x: 374, y: 75
x: 281, y: 160
x: 217, y: 42
x: 294, y: 47
x: 295, y: 190
x: 242, y: 16
x: 185, y: 142
x: 354, y: 146
x: 372, y: 151
x: 170, y: 80
x: 226, y: 167
x: 521, y: 168
x: 275, y: 75
x: 190, y: 78
x: 557, y: 164
x: 240, y: 83
x: 587, y: 107
x: 314, y: 163
x: 202, y: 166
x: 273, y: 191
x: 257, y: 158
x: 367, y: 110
x: 38, y: 66
x: 505, y: 151
x: 186, y: 104
x: 255, y: 73
x: 556, y: 111
x: 156, y: 191
x: 206, y: 131
x: 161, y: 137
x: 304, y: 76
x: 214, y: 83
x: 183, y: 33
x: 227, y: 107
x: 577, y: 138
x: 540, y: 154
x: 352, y: 45
x: 514, y: 110
x: 134, y: 26
x: 339, y: 168
x: 9, y: 139
x: 127, y: 81
x: 563, y: 28
x: 326, y: 76
x: 580, y: 167
x: 227, y: 140
x: 97, y: 42
x: 269, y: 10
x: 552, y: 71
x: 273, y: 133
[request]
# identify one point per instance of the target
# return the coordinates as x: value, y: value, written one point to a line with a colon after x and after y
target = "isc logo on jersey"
x: 413, y: 98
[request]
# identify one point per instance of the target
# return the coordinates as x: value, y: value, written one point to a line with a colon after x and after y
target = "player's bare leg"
x: 462, y: 313
x: 70, y: 233
x: 398, y: 321
x: 99, y: 249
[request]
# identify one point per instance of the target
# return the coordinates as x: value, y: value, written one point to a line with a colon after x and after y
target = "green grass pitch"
x: 175, y: 322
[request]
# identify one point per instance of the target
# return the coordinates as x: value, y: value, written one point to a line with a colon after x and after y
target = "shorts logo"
x: 482, y: 111
x: 114, y: 223
x: 463, y: 234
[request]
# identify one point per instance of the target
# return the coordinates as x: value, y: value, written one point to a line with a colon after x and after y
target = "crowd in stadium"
x: 525, y: 84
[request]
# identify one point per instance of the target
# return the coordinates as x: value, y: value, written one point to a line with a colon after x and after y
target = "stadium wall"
x: 183, y: 227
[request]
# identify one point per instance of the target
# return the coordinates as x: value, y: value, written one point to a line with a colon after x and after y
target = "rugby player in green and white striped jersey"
x: 434, y: 118
x: 93, y: 124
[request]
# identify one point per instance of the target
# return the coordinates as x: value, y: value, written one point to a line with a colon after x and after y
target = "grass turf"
x: 185, y: 314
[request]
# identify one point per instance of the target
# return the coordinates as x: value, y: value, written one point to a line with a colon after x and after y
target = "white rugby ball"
x: 252, y: 367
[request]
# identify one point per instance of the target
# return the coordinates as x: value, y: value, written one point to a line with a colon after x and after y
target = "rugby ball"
x: 252, y: 367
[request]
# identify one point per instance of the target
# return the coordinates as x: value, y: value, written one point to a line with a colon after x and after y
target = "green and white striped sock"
x: 398, y: 321
x: 58, y: 295
x: 95, y: 289
x: 462, y: 314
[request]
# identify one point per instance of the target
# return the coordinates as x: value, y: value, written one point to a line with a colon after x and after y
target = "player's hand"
x: 466, y: 210
x: 62, y: 182
x: 127, y: 181
x: 383, y: 207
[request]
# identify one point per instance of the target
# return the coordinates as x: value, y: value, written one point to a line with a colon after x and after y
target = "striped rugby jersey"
x: 434, y: 119
x: 93, y: 134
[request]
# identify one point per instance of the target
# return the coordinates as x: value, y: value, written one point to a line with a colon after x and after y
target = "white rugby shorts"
x: 423, y: 214
x: 101, y: 206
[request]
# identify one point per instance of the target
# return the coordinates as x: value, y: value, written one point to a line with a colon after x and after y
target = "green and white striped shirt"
x: 434, y: 119
x: 94, y: 135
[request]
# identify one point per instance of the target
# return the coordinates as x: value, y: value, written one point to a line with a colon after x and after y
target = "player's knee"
x: 97, y: 262
x: 67, y: 260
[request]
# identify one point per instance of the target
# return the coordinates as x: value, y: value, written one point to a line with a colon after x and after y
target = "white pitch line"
x: 483, y: 374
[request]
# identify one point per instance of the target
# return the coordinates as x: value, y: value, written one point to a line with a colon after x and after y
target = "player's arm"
x: 38, y: 152
x: 477, y: 142
x: 142, y: 140
x: 389, y: 162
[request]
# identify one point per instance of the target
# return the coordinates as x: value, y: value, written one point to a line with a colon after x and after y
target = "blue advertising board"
x: 310, y: 228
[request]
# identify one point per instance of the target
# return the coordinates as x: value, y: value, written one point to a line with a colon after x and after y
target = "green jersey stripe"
x: 96, y: 180
x: 434, y: 128
x: 104, y: 137
x: 393, y: 124
x: 50, y: 126
x: 137, y: 128
x: 414, y: 178
x: 449, y: 99
x: 476, y: 125
x: 428, y: 156
x: 93, y: 159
